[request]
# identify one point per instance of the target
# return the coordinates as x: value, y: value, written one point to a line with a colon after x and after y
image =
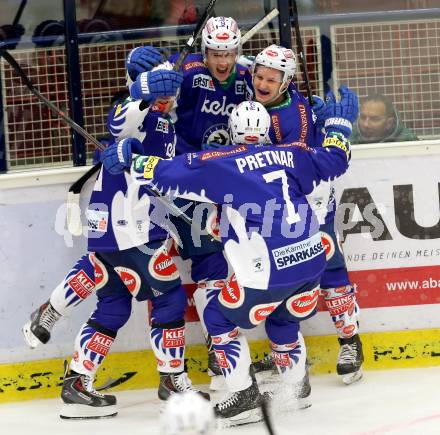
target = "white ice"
x: 404, y: 402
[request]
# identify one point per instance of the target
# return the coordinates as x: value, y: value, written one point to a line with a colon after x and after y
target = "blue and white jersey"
x: 119, y: 216
x: 204, y: 104
x: 270, y: 234
x: 293, y: 121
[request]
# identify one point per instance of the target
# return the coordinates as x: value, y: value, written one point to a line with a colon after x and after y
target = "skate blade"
x: 31, y: 340
x: 351, y: 378
x: 246, y: 417
x: 217, y: 383
x: 79, y: 412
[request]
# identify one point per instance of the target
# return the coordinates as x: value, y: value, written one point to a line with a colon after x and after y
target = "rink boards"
x: 396, y: 272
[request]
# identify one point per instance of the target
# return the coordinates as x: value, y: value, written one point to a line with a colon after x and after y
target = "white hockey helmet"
x: 249, y: 122
x: 221, y: 33
x: 188, y: 413
x: 280, y: 58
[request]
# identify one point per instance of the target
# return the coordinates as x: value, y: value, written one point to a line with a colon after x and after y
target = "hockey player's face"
x: 220, y: 63
x: 267, y: 82
x: 374, y: 124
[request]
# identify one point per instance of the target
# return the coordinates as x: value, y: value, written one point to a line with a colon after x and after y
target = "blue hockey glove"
x: 142, y: 59
x: 342, y: 113
x: 155, y: 84
x: 321, y: 110
x: 118, y: 156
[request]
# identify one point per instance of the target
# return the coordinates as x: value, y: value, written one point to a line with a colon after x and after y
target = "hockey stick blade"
x: 265, y: 20
x: 111, y: 383
x: 266, y: 417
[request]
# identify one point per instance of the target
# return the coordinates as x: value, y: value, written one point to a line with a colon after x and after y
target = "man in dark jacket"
x: 379, y: 122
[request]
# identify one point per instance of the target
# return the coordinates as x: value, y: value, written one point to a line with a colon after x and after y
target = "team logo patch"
x: 203, y: 81
x: 328, y: 244
x: 174, y: 337
x: 303, y: 304
x: 275, y: 124
x: 348, y: 330
x: 260, y: 312
x: 240, y: 87
x: 224, y: 36
x: 192, y: 65
x: 149, y: 166
x: 339, y: 324
x: 162, y: 267
x: 271, y: 53
x: 296, y: 253
x: 160, y: 363
x: 340, y: 305
x: 221, y: 358
x: 81, y: 284
x: 162, y: 125
x: 97, y: 220
x: 100, y: 343
x: 212, y: 225
x: 130, y: 278
x: 209, y: 155
x: 88, y: 365
x: 232, y: 294
x: 101, y: 274
x: 174, y: 363
x: 217, y: 133
x: 281, y: 359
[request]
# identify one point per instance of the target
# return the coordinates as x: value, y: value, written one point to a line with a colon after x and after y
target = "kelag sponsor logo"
x: 296, y: 253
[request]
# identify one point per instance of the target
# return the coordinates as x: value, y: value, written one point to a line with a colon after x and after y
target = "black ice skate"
x: 350, y: 359
x: 265, y: 370
x: 172, y: 383
x: 287, y: 397
x: 215, y: 373
x: 38, y: 329
x: 241, y: 407
x: 82, y: 401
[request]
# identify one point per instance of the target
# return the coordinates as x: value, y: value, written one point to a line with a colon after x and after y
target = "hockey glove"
x: 118, y: 156
x: 342, y: 113
x: 155, y: 84
x: 142, y: 59
x: 321, y: 111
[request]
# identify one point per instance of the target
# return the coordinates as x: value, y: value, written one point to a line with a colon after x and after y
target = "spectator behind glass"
x: 379, y: 121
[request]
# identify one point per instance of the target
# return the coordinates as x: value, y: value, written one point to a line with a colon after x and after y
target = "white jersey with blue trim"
x: 204, y: 104
x: 120, y: 216
x: 270, y: 234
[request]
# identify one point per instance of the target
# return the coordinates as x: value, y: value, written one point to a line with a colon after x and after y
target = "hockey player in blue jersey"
x: 79, y: 283
x: 213, y: 84
x: 291, y: 119
x: 271, y: 238
x: 131, y: 260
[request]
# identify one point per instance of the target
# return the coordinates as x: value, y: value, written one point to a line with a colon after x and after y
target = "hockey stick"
x: 74, y: 211
x: 111, y: 383
x: 74, y: 223
x: 265, y: 20
x: 266, y: 417
x: 299, y: 43
x: 19, y: 12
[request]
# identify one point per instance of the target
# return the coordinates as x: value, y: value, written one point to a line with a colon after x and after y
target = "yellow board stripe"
x: 384, y: 350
